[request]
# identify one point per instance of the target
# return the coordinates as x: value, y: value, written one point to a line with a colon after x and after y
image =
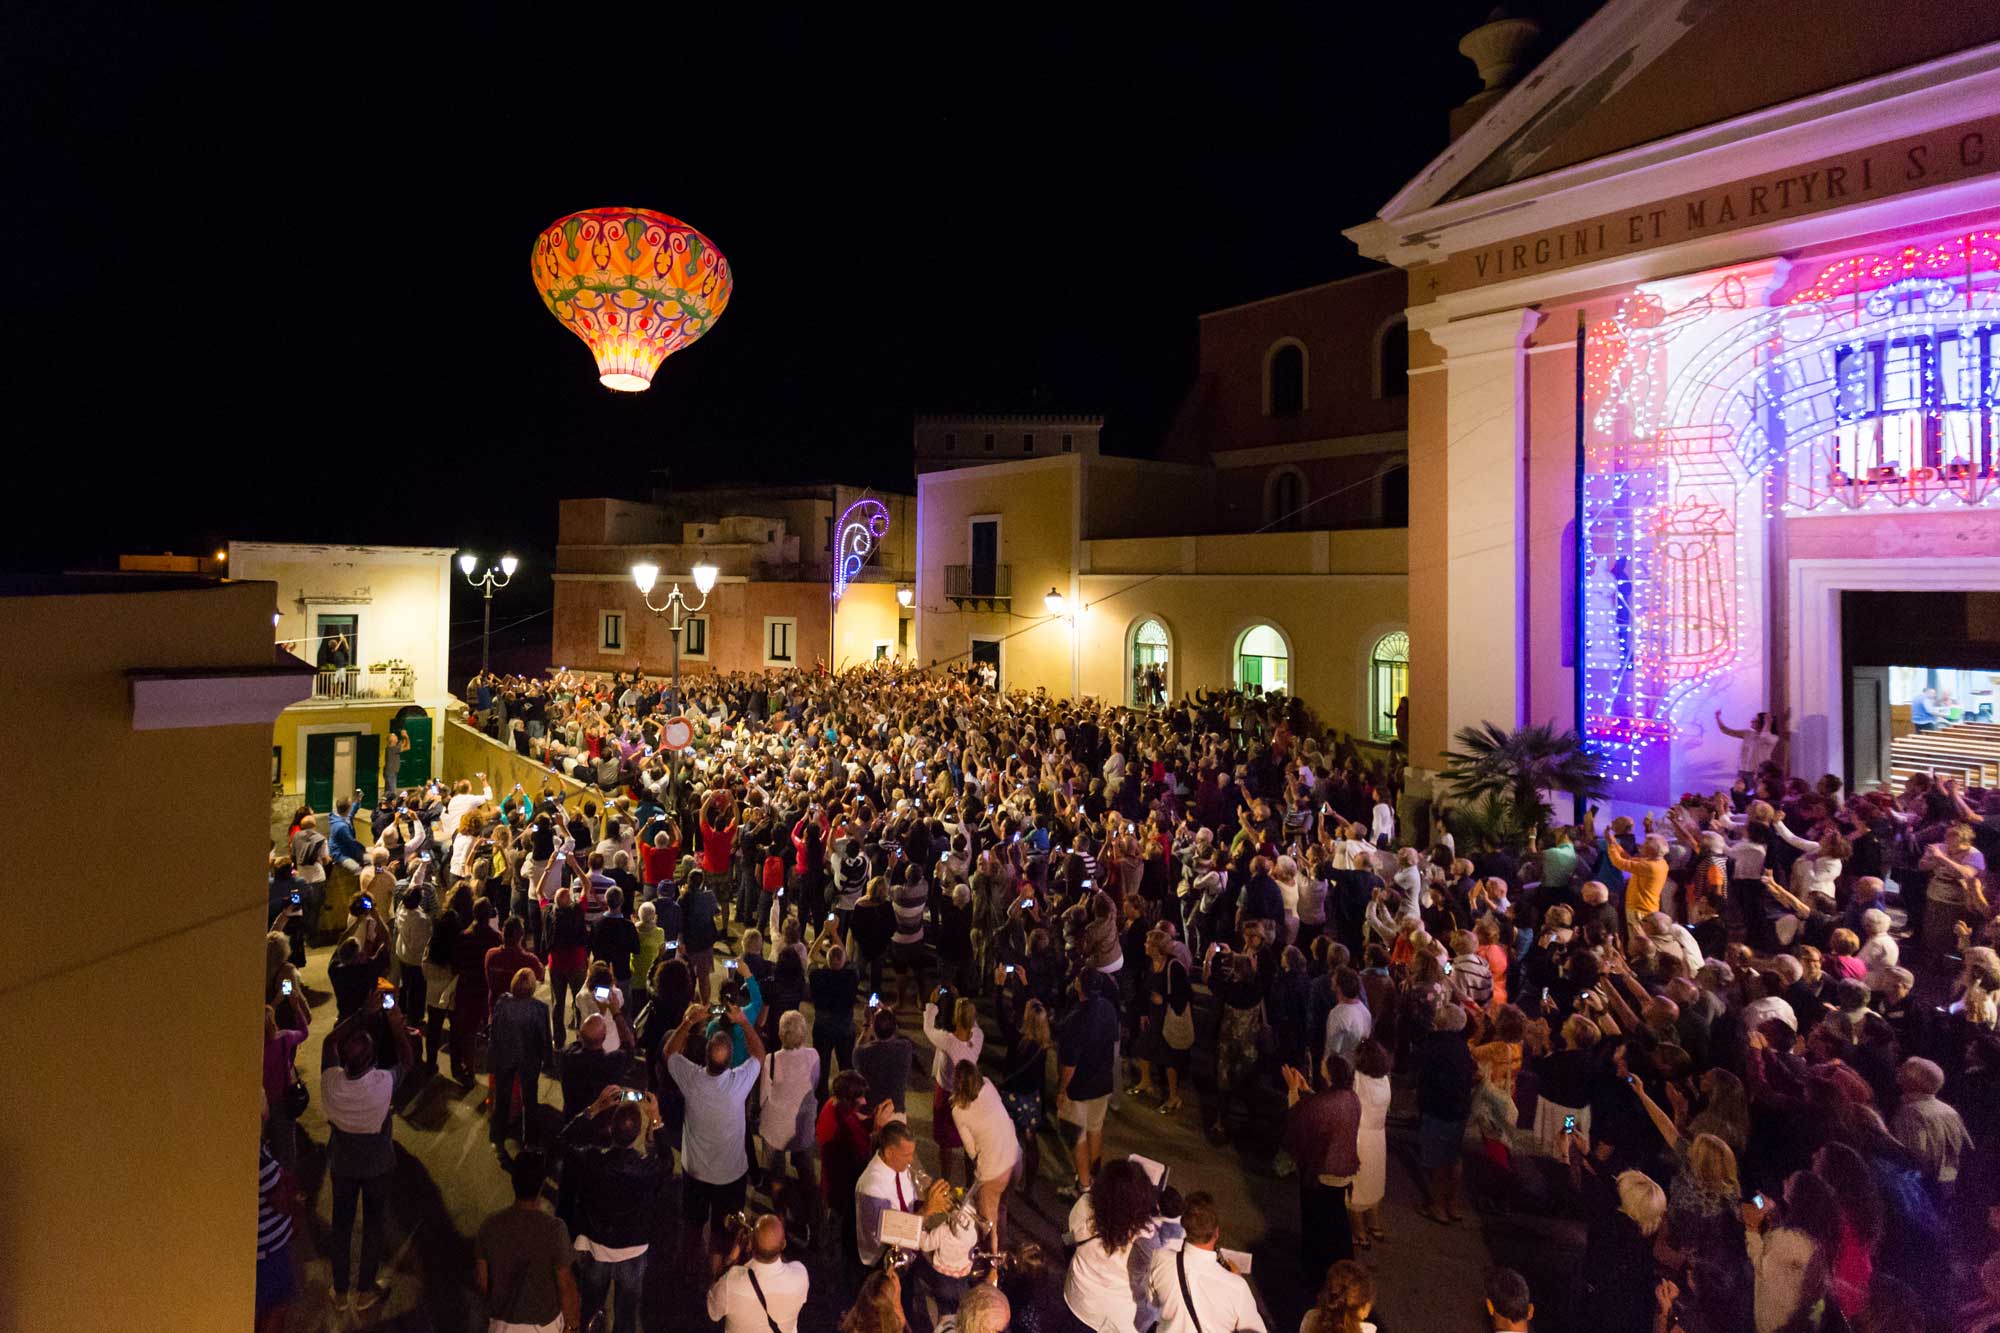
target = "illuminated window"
x: 1263, y: 661
x: 1388, y: 683
x: 1910, y: 406
x: 1151, y: 653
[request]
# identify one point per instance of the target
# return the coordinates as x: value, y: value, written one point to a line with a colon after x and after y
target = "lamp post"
x: 1058, y: 606
x: 487, y: 582
x: 645, y: 576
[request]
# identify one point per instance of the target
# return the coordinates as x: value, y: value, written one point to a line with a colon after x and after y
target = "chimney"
x: 1500, y: 48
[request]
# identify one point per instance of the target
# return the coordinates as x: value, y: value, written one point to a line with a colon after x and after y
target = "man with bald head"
x: 713, y: 1132
x: 759, y: 1291
x: 587, y: 1068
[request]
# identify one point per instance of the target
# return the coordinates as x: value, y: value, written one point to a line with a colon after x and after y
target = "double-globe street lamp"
x: 645, y: 576
x: 487, y: 581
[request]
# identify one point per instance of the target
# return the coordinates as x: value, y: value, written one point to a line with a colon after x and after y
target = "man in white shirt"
x: 1195, y: 1274
x: 1670, y: 936
x: 1382, y: 823
x: 886, y: 1185
x: 1349, y: 1023
x: 764, y: 1293
x: 464, y: 798
x: 712, y: 1136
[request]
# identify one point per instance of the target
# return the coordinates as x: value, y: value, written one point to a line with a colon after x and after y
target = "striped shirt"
x: 910, y: 902
x: 274, y: 1226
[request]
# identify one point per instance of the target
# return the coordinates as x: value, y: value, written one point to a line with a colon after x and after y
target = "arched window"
x: 1151, y: 654
x: 1263, y: 660
x: 1285, y: 498
x: 1392, y: 359
x: 1388, y: 683
x: 1285, y: 379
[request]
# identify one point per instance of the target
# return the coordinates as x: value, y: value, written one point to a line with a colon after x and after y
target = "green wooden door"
x: 368, y: 767
x: 319, y: 771
x: 416, y: 765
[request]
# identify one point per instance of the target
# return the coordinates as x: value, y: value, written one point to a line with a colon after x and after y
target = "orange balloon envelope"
x: 634, y: 284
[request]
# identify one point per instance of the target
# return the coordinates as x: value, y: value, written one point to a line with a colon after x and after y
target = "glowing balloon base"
x: 635, y: 285
x: 625, y: 364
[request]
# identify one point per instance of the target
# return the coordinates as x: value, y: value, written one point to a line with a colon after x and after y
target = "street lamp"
x: 1058, y: 606
x: 487, y: 582
x: 905, y: 595
x: 645, y: 576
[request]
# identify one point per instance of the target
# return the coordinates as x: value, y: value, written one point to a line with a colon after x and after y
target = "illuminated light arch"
x: 1873, y: 387
x: 864, y: 523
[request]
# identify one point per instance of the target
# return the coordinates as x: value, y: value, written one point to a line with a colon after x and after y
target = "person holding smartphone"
x: 356, y: 1092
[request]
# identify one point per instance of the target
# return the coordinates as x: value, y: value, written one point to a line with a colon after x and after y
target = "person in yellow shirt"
x: 1645, y: 876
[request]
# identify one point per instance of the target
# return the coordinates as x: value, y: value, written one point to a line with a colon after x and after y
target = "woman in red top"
x: 846, y: 1138
x: 718, y: 833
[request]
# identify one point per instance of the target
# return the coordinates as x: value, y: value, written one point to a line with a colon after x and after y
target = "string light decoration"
x: 864, y: 523
x: 1875, y: 387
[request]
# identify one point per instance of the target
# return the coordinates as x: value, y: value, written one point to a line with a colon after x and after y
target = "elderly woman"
x: 790, y: 1110
x: 1618, y: 1266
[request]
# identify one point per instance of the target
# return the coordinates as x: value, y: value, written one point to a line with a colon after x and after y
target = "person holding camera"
x: 713, y: 1135
x: 616, y: 1188
x: 356, y: 1093
x: 759, y: 1291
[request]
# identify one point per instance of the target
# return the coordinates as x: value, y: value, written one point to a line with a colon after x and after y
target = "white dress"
x: 1372, y: 1179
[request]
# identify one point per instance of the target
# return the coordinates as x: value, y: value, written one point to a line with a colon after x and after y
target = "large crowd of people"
x: 1691, y: 1071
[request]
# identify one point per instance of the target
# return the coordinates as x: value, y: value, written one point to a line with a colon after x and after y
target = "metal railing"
x: 356, y: 685
x: 979, y: 582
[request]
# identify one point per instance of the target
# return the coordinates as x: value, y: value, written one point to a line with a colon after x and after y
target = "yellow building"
x: 130, y: 1095
x: 1265, y: 549
x: 376, y: 623
x: 1305, y: 612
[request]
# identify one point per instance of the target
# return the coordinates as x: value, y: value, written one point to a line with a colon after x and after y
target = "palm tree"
x: 1519, y: 766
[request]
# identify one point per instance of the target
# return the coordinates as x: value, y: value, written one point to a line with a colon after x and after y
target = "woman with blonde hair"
x: 790, y: 1110
x: 1025, y: 1084
x: 963, y: 1042
x: 987, y: 1132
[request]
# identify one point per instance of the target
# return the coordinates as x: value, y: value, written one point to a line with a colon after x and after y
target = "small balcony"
x: 345, y: 687
x: 990, y: 586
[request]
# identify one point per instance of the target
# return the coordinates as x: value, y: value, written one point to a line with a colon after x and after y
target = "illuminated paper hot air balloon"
x: 634, y: 284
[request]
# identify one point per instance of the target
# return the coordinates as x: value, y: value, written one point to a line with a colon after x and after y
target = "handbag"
x: 297, y: 1097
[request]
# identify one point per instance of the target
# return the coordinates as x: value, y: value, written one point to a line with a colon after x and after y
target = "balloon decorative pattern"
x: 634, y: 284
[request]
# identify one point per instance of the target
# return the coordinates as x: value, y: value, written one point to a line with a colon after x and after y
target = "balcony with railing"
x: 974, y: 585
x: 337, y: 687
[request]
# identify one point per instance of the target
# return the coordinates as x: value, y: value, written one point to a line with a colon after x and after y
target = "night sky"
x: 269, y: 273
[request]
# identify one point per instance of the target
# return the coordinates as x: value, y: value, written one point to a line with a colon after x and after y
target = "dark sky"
x: 269, y: 274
